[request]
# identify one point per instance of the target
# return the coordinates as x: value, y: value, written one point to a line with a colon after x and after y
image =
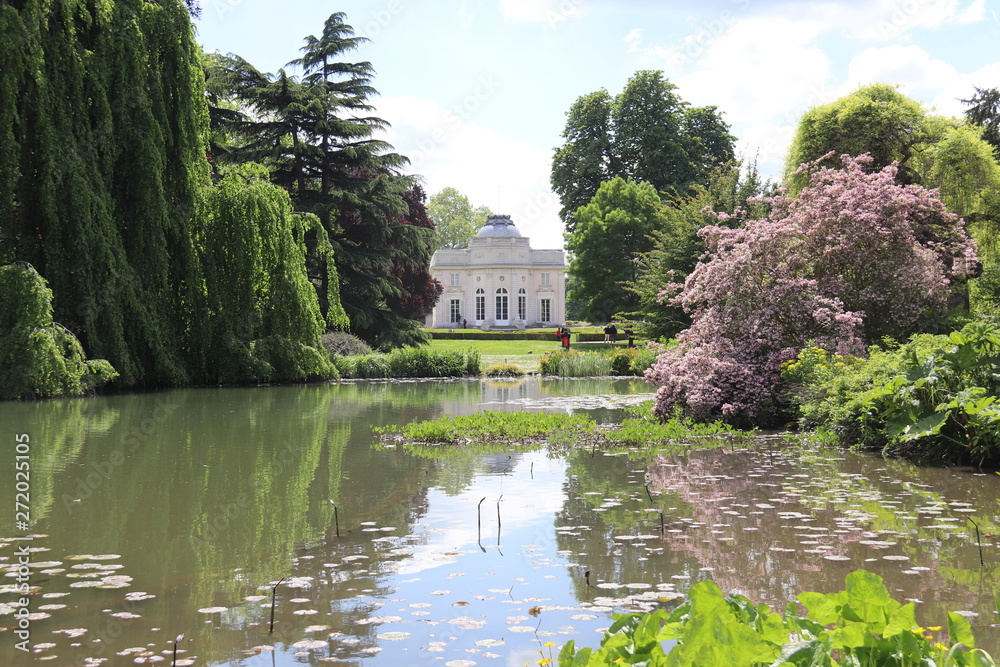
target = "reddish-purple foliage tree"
x: 854, y: 257
x: 420, y: 291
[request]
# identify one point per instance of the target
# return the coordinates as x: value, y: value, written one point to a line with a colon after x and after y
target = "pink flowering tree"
x: 854, y: 257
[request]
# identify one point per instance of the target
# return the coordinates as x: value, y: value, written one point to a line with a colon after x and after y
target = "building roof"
x: 499, y: 226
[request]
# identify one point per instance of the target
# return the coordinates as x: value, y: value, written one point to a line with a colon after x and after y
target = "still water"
x: 161, y: 514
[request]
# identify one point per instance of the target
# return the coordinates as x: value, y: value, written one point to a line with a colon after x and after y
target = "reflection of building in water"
x: 499, y: 281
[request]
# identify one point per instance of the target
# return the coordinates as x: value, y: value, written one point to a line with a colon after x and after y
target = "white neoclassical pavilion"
x: 499, y: 281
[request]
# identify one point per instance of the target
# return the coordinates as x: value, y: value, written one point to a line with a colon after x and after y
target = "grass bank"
x: 525, y: 353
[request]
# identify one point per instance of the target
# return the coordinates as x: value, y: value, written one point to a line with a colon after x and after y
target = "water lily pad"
x: 137, y: 596
x: 521, y: 628
x: 490, y: 643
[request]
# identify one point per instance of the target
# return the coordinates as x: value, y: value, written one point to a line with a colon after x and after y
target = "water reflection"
x: 771, y: 524
x: 198, y: 499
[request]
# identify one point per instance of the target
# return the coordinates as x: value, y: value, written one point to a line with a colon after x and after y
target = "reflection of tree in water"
x: 766, y: 528
x: 605, y: 498
x: 219, y: 494
x: 57, y: 431
x: 771, y: 524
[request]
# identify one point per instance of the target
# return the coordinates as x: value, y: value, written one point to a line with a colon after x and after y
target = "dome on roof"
x: 498, y: 226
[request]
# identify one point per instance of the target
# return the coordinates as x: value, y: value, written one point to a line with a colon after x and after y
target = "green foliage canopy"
x: 455, y: 219
x: 318, y: 139
x: 728, y: 199
x: 611, y: 232
x: 263, y: 319
x: 37, y: 356
x: 984, y: 111
x: 101, y: 105
x: 106, y: 191
x: 875, y: 119
x: 646, y: 133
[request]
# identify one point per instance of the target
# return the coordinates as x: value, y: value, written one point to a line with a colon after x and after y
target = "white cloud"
x: 948, y: 101
x: 448, y: 148
x: 886, y: 20
x: 763, y: 74
x: 549, y: 12
x: 974, y: 13
x: 909, y: 66
x: 465, y: 13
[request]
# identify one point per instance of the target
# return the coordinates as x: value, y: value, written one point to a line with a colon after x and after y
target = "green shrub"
x: 505, y: 370
x: 283, y: 360
x: 643, y: 359
x: 363, y: 367
x: 932, y: 399
x: 409, y: 362
x: 630, y: 360
x: 621, y: 361
x: 39, y: 357
x: 861, y: 625
x: 473, y: 362
x: 343, y: 344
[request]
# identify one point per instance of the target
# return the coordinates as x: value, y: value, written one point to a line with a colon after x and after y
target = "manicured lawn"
x: 524, y: 353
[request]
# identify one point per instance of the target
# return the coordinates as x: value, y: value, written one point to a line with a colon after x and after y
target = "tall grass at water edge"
x: 615, y: 361
x: 410, y: 363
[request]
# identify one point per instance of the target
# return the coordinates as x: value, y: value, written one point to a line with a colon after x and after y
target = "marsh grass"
x: 582, y: 365
x: 576, y: 431
x: 504, y: 370
x: 410, y: 362
x: 489, y: 427
x: 598, y: 360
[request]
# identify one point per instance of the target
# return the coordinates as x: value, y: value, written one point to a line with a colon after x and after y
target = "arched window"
x: 501, y: 303
x: 522, y: 304
x: 480, y: 304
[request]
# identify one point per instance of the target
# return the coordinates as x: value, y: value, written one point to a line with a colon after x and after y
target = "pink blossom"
x: 854, y: 257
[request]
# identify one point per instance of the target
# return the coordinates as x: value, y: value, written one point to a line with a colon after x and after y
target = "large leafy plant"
x: 931, y: 399
x: 860, y: 626
x: 945, y: 400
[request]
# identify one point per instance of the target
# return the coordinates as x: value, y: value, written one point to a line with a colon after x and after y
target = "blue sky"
x: 477, y: 91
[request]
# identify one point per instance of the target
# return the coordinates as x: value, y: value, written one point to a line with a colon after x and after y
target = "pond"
x: 178, y: 512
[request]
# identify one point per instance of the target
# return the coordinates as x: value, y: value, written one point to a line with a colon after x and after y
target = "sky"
x: 476, y: 92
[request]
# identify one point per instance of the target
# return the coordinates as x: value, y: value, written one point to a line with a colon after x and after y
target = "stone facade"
x: 499, y: 281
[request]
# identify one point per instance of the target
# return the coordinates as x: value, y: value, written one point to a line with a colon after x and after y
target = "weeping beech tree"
x: 104, y: 183
x: 102, y: 159
x: 263, y: 319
